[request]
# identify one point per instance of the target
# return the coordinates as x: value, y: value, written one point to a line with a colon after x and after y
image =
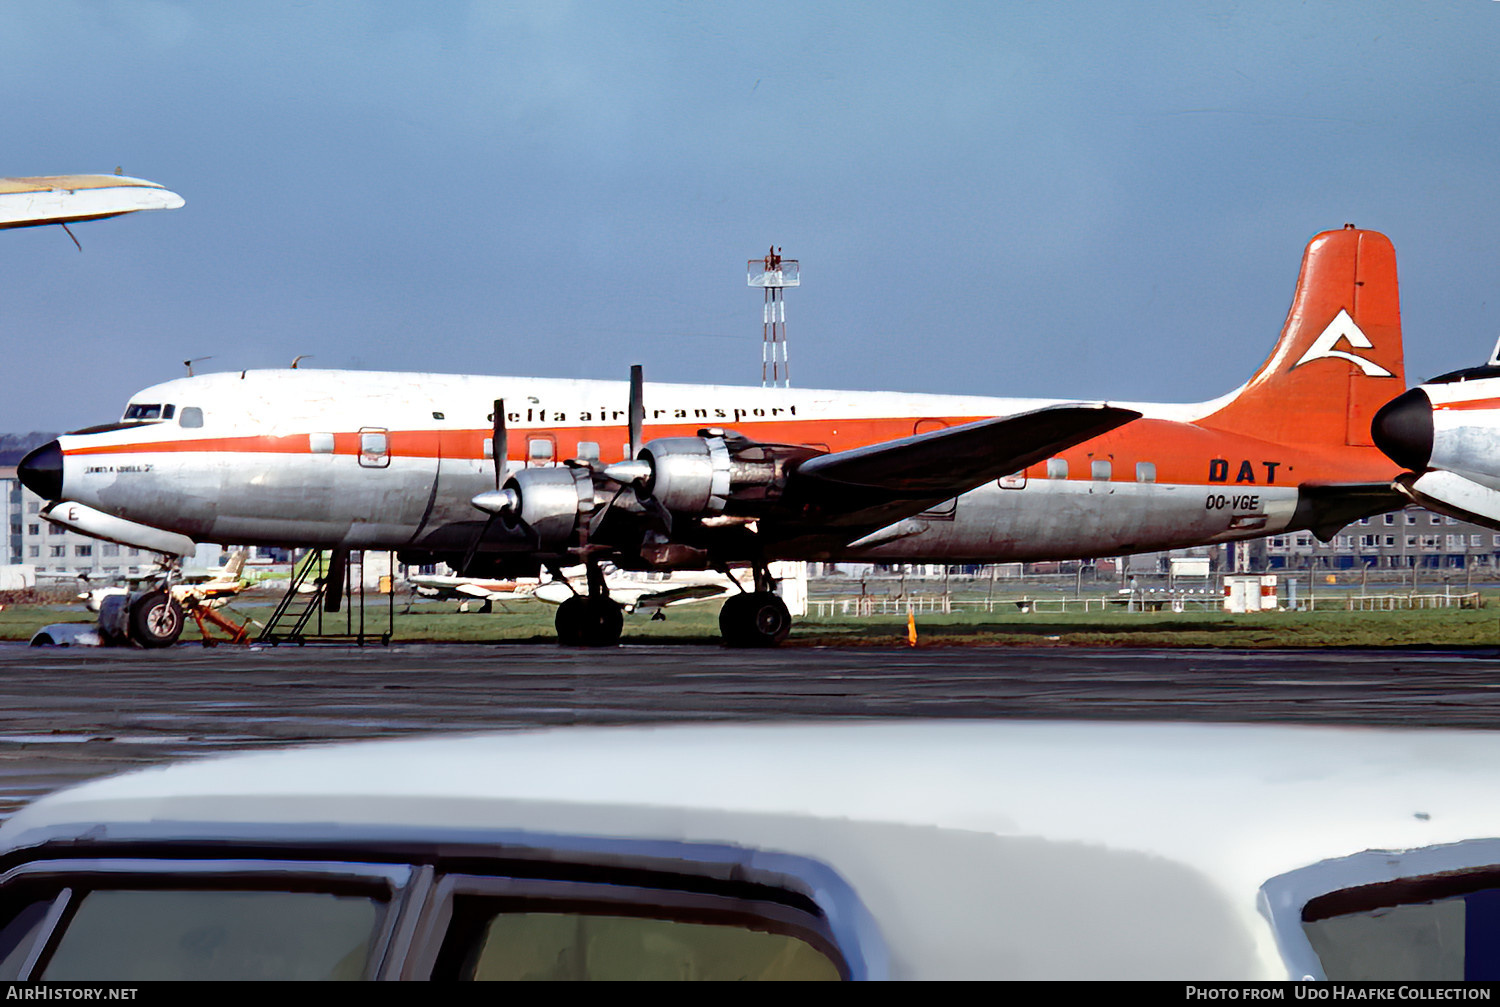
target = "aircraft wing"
x: 681, y: 595
x: 60, y: 199
x: 880, y: 483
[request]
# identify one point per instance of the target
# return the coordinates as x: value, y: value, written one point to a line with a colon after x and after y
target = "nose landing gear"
x: 156, y: 619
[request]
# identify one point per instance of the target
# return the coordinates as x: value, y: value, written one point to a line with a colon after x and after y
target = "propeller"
x: 498, y: 501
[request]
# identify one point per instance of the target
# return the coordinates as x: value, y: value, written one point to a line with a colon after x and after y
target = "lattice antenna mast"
x: 774, y: 274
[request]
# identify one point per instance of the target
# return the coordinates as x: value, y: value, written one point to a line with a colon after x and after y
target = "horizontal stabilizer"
x: 884, y: 482
x: 1324, y: 509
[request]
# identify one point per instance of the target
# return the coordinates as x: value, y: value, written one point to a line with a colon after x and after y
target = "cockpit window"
x: 167, y: 411
x: 138, y: 411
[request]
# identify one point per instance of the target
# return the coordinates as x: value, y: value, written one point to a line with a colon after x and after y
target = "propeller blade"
x: 598, y: 518
x: 463, y: 566
x: 637, y: 409
x: 499, y: 448
x: 659, y: 510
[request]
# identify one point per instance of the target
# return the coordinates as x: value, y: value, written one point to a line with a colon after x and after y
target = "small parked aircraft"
x: 650, y: 592
x: 207, y: 587
x: 466, y: 589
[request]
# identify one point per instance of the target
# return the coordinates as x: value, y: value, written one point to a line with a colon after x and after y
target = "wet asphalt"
x: 69, y: 714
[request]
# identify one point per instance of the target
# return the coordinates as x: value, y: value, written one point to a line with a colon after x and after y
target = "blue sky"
x: 1082, y: 200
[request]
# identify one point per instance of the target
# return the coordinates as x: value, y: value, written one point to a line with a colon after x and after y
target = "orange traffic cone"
x: 911, y: 627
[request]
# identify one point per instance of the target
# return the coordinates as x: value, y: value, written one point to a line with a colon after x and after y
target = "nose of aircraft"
x: 41, y: 471
x: 1403, y: 429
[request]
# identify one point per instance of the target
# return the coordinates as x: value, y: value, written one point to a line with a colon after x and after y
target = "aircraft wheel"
x: 589, y: 622
x: 754, y: 620
x: 606, y: 622
x: 156, y: 619
x: 570, y: 618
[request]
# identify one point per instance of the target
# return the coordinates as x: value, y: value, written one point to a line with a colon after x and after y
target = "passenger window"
x: 1057, y: 468
x: 1100, y: 470
x: 127, y: 936
x: 191, y: 416
x: 1145, y: 472
x: 320, y: 444
x: 588, y: 451
x: 540, y: 451
x: 1014, y: 481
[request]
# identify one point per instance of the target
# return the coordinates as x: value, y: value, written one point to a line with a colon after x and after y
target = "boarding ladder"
x: 324, y: 582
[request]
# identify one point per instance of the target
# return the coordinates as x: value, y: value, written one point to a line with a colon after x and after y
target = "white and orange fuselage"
x: 370, y: 460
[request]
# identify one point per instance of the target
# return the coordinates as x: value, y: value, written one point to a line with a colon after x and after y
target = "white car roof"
x: 980, y: 848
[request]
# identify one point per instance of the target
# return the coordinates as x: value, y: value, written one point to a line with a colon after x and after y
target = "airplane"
x: 40, y: 200
x: 647, y: 594
x: 1446, y: 433
x: 211, y: 588
x: 427, y: 464
x: 465, y: 589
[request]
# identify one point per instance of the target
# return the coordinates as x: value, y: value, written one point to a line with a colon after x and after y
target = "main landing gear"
x: 590, y: 620
x: 756, y: 618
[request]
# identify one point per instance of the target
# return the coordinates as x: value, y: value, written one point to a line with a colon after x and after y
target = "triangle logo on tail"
x: 1343, y: 328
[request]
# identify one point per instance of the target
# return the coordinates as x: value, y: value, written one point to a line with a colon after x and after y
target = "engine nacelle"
x: 702, y: 475
x: 689, y: 475
x: 550, y: 501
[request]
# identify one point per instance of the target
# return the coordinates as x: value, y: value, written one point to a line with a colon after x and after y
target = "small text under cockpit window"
x: 139, y: 411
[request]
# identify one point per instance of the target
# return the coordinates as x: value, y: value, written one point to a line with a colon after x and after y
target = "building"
x: 1401, y: 540
x: 57, y: 553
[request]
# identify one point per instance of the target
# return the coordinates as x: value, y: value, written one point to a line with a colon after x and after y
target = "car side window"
x: 459, y: 912
x: 592, y: 946
x: 125, y: 935
x: 1437, y: 919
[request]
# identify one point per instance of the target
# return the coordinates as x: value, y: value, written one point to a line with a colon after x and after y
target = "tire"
x: 602, y: 624
x: 571, y: 615
x: 155, y: 619
x: 754, y: 620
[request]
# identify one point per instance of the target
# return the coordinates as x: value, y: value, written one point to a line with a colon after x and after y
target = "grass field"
x: 531, y: 622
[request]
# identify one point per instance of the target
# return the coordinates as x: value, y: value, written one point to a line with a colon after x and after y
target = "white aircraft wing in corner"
x: 62, y: 199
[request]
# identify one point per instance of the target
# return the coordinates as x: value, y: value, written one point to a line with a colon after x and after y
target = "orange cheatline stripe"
x: 1491, y: 403
x: 1180, y: 451
x: 836, y: 435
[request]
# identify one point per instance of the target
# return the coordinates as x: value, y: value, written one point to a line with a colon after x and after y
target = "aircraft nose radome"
x: 41, y: 471
x: 1403, y: 429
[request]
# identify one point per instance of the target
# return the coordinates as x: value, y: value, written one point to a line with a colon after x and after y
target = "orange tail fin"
x: 1339, y: 358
